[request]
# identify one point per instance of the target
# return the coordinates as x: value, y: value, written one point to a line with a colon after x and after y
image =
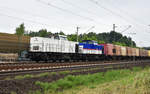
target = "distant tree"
x: 147, y: 48
x: 110, y: 37
x: 106, y: 37
x: 20, y: 32
x: 43, y: 33
x: 61, y: 33
x: 72, y: 37
x: 118, y: 43
x: 40, y: 33
x: 101, y: 42
x: 49, y: 34
x: 33, y: 34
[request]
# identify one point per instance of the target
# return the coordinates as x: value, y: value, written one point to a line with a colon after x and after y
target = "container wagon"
x: 149, y: 53
x: 123, y: 51
x: 8, y: 57
x: 10, y: 43
x: 117, y: 50
x: 129, y: 51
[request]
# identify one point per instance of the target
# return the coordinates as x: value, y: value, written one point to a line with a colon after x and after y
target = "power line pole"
x: 114, y: 27
x: 77, y: 33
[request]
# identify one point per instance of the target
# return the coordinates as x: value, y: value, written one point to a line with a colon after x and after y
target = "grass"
x: 137, y: 82
x: 46, y: 74
x: 13, y: 92
x: 64, y: 72
x: 91, y: 80
x: 36, y: 92
x: 24, y: 76
x: 8, y: 78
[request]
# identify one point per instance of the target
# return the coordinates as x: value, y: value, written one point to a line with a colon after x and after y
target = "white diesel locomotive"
x: 58, y: 48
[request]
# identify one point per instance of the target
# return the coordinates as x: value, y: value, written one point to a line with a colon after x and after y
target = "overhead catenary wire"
x: 110, y: 11
x: 114, y: 13
x: 24, y: 19
x: 18, y: 18
x: 126, y: 29
x: 28, y: 14
x: 64, y: 10
x: 24, y: 12
x: 90, y: 29
x: 81, y: 8
x: 69, y: 3
x: 68, y: 11
x: 129, y: 15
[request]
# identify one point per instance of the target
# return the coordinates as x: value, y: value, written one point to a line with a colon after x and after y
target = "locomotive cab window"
x: 35, y: 47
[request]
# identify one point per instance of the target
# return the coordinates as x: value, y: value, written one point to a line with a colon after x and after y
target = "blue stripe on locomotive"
x: 91, y: 46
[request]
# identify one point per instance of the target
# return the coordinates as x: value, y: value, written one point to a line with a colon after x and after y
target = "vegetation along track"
x: 6, y: 70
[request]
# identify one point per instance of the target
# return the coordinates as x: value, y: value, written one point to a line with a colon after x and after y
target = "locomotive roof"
x: 89, y: 41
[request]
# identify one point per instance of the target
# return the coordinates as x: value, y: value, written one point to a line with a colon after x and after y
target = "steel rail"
x: 77, y: 67
x: 22, y: 66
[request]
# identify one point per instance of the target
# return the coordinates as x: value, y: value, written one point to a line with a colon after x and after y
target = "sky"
x: 131, y: 17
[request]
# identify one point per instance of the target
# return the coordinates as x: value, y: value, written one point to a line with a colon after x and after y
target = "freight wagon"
x: 115, y: 52
x: 8, y: 57
x: 10, y: 43
x: 123, y: 51
x: 149, y: 53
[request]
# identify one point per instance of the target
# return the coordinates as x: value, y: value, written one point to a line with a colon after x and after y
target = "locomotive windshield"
x: 61, y: 37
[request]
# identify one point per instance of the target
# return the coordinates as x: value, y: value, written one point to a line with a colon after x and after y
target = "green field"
x: 135, y: 81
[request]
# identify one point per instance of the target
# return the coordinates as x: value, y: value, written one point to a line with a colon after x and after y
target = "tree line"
x: 106, y: 37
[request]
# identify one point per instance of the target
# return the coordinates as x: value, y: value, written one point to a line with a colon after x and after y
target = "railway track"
x: 39, y: 68
x: 30, y: 66
x: 33, y: 62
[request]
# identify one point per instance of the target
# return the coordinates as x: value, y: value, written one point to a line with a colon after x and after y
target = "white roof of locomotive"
x: 59, y: 37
